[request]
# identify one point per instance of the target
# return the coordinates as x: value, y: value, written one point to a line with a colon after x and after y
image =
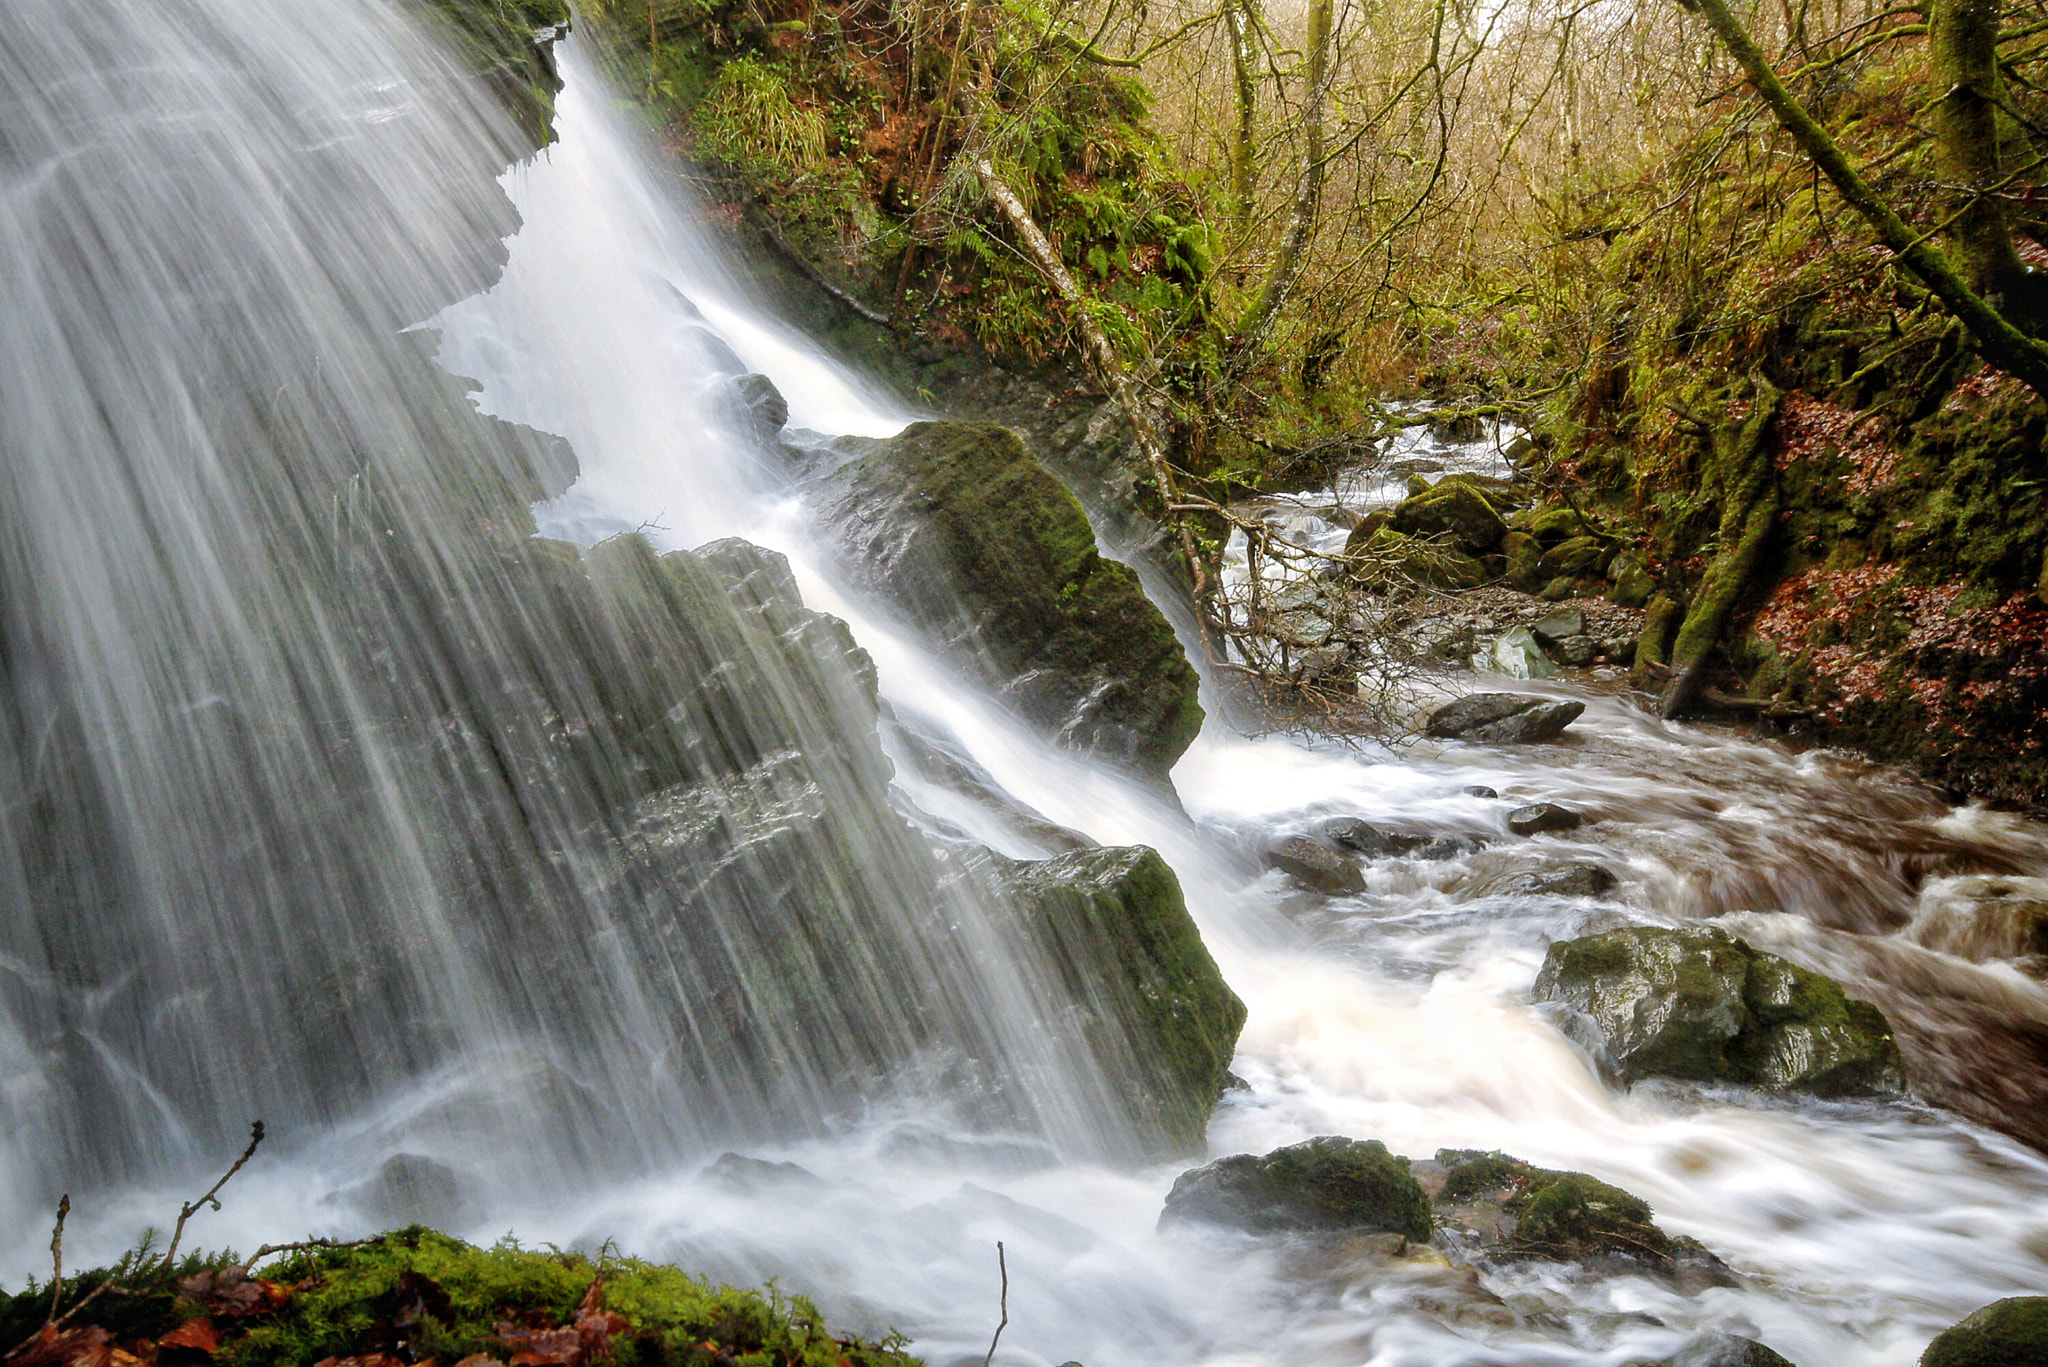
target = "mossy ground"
x: 415, y: 1295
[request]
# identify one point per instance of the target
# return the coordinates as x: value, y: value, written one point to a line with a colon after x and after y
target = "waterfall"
x: 334, y: 795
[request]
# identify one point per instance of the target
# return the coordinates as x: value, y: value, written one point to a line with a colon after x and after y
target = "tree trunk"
x: 1962, y: 38
x: 1240, y: 17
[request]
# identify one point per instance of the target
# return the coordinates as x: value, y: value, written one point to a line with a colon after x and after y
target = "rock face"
x: 1327, y: 1185
x: 2008, y: 1333
x: 1703, y: 1005
x: 1501, y: 718
x: 1113, y: 922
x: 956, y: 525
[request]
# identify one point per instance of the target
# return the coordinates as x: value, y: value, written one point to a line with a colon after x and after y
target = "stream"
x: 1858, y: 1229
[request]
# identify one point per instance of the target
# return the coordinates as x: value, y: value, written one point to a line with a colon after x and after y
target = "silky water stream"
x: 1398, y: 1014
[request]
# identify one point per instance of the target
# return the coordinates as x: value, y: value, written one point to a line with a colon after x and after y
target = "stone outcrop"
x: 1326, y: 1185
x: 957, y: 527
x: 1115, y: 926
x: 1502, y: 718
x: 1702, y: 1005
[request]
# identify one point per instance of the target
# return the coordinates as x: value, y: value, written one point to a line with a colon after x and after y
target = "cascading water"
x: 304, y: 808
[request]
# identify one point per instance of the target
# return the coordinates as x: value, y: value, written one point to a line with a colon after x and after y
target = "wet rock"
x: 758, y: 405
x: 2008, y: 1333
x: 1552, y: 525
x: 1703, y: 1005
x: 737, y: 1172
x: 1632, y: 585
x: 1983, y: 917
x: 1478, y: 790
x: 1573, y: 880
x: 1524, y: 556
x: 1517, y: 655
x: 961, y: 530
x: 1501, y: 719
x: 1506, y: 1210
x: 410, y: 1188
x: 1361, y: 837
x: 1327, y: 1185
x: 1115, y: 921
x: 1580, y: 555
x: 1453, y: 511
x: 1725, y: 1350
x: 1540, y: 818
x: 1575, y: 651
x: 1560, y: 624
x: 1448, y: 847
x: 1315, y: 865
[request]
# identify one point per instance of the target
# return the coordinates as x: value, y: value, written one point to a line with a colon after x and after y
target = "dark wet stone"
x: 1501, y: 718
x: 1315, y: 864
x: 1448, y: 847
x: 1329, y: 1184
x: 1479, y: 790
x: 1540, y: 817
x: 1572, y: 880
x: 1725, y: 1350
x: 758, y: 404
x: 1575, y: 651
x: 737, y: 1172
x: 1560, y: 625
x: 1703, y: 1005
x: 1362, y: 837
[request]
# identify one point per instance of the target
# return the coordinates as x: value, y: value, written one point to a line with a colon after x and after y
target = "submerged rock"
x: 1983, y: 917
x: 1362, y: 837
x: 1327, y: 1185
x: 1502, y: 718
x: 956, y: 525
x: 1572, y: 880
x: 1316, y: 865
x: 2008, y: 1333
x: 1725, y: 1350
x: 1538, y: 818
x: 1703, y: 1005
x: 1116, y: 926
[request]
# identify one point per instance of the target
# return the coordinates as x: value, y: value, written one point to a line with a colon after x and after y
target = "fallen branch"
x: 1004, y: 1268
x: 209, y: 1198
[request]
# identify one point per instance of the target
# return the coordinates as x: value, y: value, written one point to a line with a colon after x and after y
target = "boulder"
x: 970, y: 538
x: 1501, y: 718
x: 1506, y: 1210
x: 1115, y: 924
x: 1316, y: 865
x: 1559, y: 624
x: 1579, y: 555
x: 1452, y: 511
x: 1552, y: 525
x: 1524, y: 556
x: 1983, y: 917
x: 1383, y: 554
x: 756, y: 405
x: 1575, y: 651
x: 1327, y: 1185
x: 1725, y: 1350
x: 1703, y: 1005
x: 1541, y: 818
x: 1632, y: 585
x: 2008, y: 1333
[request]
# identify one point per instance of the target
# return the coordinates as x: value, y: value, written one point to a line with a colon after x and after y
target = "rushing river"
x: 1859, y: 1229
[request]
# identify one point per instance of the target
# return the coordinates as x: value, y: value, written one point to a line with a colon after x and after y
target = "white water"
x: 1397, y: 1015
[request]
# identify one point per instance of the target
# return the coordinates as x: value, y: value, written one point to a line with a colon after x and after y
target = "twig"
x: 1004, y: 1268
x: 264, y: 1252
x: 57, y: 1259
x: 192, y: 1208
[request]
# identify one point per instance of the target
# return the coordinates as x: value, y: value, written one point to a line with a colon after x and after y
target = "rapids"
x: 1400, y: 1014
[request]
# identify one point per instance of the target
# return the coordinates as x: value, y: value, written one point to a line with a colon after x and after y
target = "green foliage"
x: 748, y: 117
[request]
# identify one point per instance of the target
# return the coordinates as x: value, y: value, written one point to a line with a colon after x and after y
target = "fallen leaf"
x: 87, y: 1346
x: 199, y: 1334
x: 542, y: 1347
x: 479, y: 1360
x: 232, y: 1292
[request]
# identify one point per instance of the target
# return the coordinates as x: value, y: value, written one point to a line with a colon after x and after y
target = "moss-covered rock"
x: 1701, y: 1004
x: 977, y: 544
x: 1114, y: 923
x: 1453, y: 511
x: 2008, y: 1333
x: 1326, y: 1185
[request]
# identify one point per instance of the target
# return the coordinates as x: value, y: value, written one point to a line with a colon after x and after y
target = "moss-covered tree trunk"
x: 1241, y: 17
x: 1962, y: 39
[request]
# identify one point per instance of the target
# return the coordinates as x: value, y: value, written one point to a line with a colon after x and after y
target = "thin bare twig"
x: 1004, y: 1268
x: 57, y: 1259
x: 192, y: 1208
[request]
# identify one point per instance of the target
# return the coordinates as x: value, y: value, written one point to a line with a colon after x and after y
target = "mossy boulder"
x: 1327, y: 1185
x: 1511, y: 1211
x: 1116, y: 927
x: 1383, y: 558
x: 2008, y: 1333
x: 958, y: 527
x: 1703, y: 1005
x: 1453, y: 511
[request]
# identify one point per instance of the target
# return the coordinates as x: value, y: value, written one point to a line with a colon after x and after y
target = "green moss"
x: 1576, y: 1216
x: 421, y: 1294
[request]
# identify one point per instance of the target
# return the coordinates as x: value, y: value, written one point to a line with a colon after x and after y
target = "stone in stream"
x: 1361, y: 837
x: 1702, y: 1005
x: 2008, y: 1333
x: 1515, y: 654
x: 1502, y: 718
x: 1329, y: 1184
x: 1453, y: 511
x: 1983, y: 917
x: 757, y: 404
x: 1572, y: 880
x: 1316, y: 865
x: 1539, y: 818
x: 1725, y: 1350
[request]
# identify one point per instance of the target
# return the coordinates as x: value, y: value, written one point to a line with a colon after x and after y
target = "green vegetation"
x: 414, y: 1295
